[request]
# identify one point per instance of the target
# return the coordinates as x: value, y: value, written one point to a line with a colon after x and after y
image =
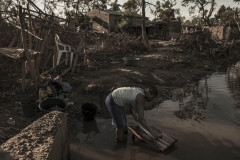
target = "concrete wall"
x: 44, y: 139
x: 217, y: 32
x: 220, y: 32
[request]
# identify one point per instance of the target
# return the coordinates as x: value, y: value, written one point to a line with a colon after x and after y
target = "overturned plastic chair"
x: 63, y: 48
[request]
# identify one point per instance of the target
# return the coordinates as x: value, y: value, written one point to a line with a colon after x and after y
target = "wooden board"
x: 15, y: 53
x: 162, y: 143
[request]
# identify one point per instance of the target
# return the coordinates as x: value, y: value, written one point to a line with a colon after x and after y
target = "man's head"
x: 151, y: 93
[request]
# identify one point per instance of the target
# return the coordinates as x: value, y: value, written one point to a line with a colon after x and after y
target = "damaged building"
x: 229, y: 32
x: 105, y: 21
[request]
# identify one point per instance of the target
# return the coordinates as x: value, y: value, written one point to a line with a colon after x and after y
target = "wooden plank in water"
x: 163, y: 142
x: 166, y: 138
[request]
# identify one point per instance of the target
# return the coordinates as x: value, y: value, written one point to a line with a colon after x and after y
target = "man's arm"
x: 140, y: 99
x: 134, y: 113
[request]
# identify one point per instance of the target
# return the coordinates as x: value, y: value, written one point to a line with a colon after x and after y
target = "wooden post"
x: 23, y: 74
x: 14, y: 40
x: 45, y: 41
x: 47, y: 60
x: 1, y: 18
x: 25, y: 46
x: 54, y: 57
x: 75, y: 63
x: 76, y: 53
x: 19, y: 41
x: 30, y: 29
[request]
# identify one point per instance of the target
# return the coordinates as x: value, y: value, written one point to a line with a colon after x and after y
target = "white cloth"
x: 126, y: 96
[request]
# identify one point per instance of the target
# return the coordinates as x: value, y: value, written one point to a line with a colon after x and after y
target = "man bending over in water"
x: 134, y: 99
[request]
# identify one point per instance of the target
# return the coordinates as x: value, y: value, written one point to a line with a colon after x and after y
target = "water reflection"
x: 192, y: 100
x: 90, y: 126
x: 216, y: 96
x: 233, y: 79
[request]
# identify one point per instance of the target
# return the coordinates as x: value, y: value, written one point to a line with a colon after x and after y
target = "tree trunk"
x: 236, y: 18
x: 44, y: 43
x: 0, y: 15
x: 23, y: 75
x: 210, y: 13
x: 25, y: 46
x: 144, y: 35
x: 30, y: 28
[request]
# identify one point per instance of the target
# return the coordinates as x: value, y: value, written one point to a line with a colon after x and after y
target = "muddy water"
x: 204, y: 117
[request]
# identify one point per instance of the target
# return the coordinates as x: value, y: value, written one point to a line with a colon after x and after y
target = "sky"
x: 184, y: 10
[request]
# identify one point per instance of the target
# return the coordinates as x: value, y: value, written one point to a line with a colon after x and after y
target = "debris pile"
x: 198, y: 42
x: 97, y: 48
x: 6, y: 33
x: 201, y: 43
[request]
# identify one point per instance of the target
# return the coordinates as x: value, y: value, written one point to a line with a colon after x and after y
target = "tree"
x: 125, y: 19
x: 187, y: 23
x: 115, y: 6
x: 100, y: 4
x: 8, y: 7
x: 165, y: 12
x: 144, y: 35
x: 197, y: 21
x: 156, y: 12
x: 131, y: 5
x: 225, y: 15
x: 83, y: 6
x: 237, y: 17
x: 131, y: 8
x: 202, y: 8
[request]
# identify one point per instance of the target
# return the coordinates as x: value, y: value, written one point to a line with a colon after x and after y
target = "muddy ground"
x: 168, y: 66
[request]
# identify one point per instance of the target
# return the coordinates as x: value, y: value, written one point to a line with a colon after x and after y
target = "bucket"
x: 29, y: 108
x: 89, y: 111
x: 51, y: 104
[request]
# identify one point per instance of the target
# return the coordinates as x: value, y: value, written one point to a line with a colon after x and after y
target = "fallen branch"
x: 19, y: 27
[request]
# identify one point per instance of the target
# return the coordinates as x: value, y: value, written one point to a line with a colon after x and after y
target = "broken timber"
x: 25, y: 46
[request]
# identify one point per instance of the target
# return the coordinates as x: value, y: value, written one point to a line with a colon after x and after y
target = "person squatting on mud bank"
x: 134, y: 99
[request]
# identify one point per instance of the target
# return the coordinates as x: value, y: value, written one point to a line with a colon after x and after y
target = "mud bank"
x: 45, y: 138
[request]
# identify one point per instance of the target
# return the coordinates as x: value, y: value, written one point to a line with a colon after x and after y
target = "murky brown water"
x: 204, y: 117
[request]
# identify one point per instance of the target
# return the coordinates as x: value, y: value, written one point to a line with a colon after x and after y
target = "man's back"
x: 126, y: 96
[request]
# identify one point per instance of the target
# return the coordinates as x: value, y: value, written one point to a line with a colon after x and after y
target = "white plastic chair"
x: 63, y: 48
